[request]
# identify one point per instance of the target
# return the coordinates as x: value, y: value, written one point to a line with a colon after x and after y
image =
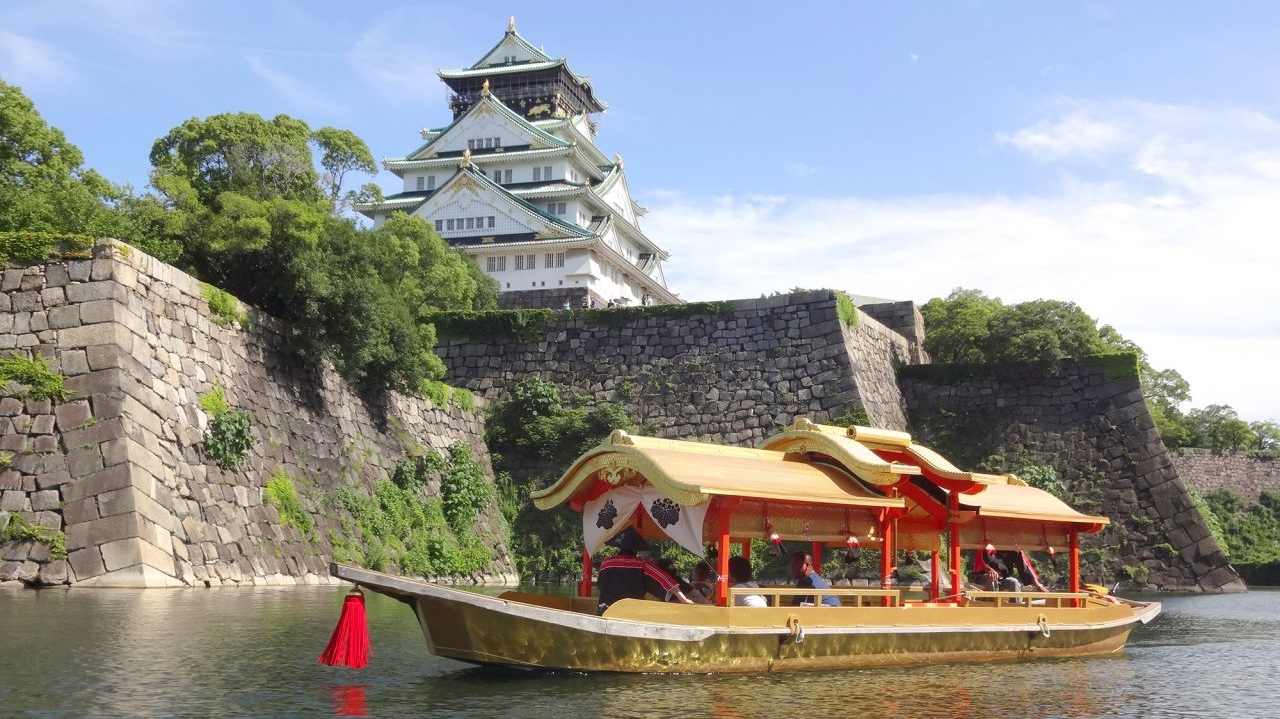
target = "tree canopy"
x: 238, y: 201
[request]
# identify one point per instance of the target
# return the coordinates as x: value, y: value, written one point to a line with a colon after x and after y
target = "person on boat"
x: 686, y: 588
x: 739, y: 577
x: 703, y: 579
x: 626, y: 576
x: 803, y: 571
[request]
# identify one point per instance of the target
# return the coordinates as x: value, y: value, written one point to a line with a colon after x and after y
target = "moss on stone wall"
x: 26, y: 248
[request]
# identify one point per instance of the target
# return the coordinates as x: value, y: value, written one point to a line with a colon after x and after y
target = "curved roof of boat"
x: 991, y: 495
x: 1013, y: 501
x: 692, y: 472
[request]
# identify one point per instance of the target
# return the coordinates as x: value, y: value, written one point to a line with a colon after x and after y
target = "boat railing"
x: 848, y: 597
x: 1048, y: 599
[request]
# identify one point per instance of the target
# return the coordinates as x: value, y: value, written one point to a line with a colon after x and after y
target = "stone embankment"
x: 1236, y: 471
x: 117, y: 470
x: 1088, y: 421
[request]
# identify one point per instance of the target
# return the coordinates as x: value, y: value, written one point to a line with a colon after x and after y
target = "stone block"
x: 86, y: 563
x: 103, y: 356
x: 106, y: 480
x: 71, y: 415
x: 94, y: 434
x: 130, y: 499
x: 47, y: 499
x: 52, y: 297
x: 13, y: 500
x: 73, y: 362
x: 43, y: 424
x: 84, y: 461
x: 10, y: 406
x: 105, y: 333
x: 63, y: 317
x: 96, y: 311
x: 56, y: 275
x: 104, y: 530
x: 128, y: 552
x: 81, y: 510
x: 54, y: 572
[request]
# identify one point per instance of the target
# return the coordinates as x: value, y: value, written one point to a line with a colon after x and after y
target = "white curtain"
x: 680, y: 522
x: 606, y: 515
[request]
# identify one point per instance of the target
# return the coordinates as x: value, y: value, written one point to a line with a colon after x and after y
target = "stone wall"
x: 1091, y: 425
x: 118, y: 468
x: 735, y: 376
x: 1244, y: 475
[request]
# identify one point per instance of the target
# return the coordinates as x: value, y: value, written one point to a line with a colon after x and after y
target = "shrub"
x: 224, y: 308
x: 229, y: 440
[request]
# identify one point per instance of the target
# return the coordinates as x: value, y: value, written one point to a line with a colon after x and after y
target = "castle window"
x: 537, y: 174
x: 556, y: 208
x: 506, y: 176
x: 439, y: 225
x: 471, y: 223
x: 491, y: 221
x: 497, y: 142
x: 519, y: 262
x: 491, y: 264
x: 546, y: 172
x: 554, y: 259
x: 448, y: 225
x: 422, y: 182
x: 531, y: 262
x: 502, y: 264
x: 431, y: 182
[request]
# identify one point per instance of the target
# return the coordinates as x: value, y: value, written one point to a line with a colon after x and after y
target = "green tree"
x: 1042, y: 331
x: 1267, y: 435
x: 44, y: 185
x: 1219, y: 428
x: 957, y: 327
x: 341, y: 152
x: 532, y: 436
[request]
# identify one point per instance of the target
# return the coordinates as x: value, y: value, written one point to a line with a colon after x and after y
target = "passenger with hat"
x: 626, y: 576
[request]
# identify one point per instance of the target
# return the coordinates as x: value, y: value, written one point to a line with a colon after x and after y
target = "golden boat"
x: 820, y: 486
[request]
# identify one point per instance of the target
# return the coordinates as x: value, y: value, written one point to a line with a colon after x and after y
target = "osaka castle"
x: 518, y: 182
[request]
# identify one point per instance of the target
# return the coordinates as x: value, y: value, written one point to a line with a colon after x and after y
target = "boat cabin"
x: 820, y: 485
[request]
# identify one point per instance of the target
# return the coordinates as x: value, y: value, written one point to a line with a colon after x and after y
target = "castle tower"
x: 518, y: 182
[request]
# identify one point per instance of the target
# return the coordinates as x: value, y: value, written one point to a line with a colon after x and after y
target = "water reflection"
x: 252, y: 653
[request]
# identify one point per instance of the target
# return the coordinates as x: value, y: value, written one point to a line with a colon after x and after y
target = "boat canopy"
x: 1021, y: 515
x: 879, y: 456
x: 675, y: 483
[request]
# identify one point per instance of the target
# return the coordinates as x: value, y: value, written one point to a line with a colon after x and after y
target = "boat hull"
x: 546, y: 633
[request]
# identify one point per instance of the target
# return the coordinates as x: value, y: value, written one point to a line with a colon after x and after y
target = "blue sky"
x: 1121, y: 155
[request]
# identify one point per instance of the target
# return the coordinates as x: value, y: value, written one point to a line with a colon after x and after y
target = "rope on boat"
x: 796, y: 629
x: 1043, y: 622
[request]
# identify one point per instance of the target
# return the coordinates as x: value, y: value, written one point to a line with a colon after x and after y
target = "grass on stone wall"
x: 847, y: 310
x: 20, y: 530
x: 224, y: 308
x: 402, y: 527
x: 280, y: 493
x: 33, y: 379
x: 26, y: 247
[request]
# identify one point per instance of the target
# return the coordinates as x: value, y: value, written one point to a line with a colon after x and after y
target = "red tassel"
x: 349, y: 645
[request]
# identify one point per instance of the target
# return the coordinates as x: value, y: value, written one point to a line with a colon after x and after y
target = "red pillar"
x: 1074, y: 576
x: 953, y: 551
x: 722, y: 583
x: 584, y: 584
x: 935, y: 569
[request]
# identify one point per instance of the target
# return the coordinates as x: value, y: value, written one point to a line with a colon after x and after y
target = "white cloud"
x: 389, y: 58
x: 1174, y: 245
x: 293, y: 91
x: 1074, y: 134
x: 24, y: 60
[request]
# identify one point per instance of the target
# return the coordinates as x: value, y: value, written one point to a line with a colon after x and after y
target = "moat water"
x: 252, y: 653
